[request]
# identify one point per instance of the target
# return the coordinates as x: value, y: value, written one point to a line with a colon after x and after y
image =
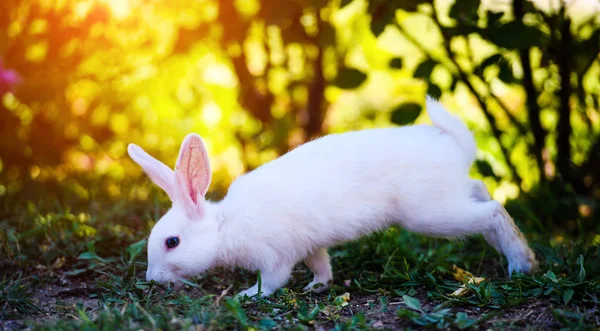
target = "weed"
x: 84, y: 267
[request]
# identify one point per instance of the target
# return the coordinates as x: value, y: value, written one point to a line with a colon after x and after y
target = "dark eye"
x: 172, y: 242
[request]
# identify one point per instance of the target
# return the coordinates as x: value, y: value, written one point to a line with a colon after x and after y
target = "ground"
x: 66, y: 270
x: 59, y: 301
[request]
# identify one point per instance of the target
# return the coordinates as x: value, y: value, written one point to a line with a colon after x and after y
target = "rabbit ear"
x: 192, y: 172
x: 158, y: 172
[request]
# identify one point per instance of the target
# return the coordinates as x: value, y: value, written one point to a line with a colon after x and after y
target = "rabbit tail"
x: 454, y: 126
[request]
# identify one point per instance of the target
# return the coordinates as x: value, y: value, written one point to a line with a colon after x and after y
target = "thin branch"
x: 491, y: 120
x: 461, y: 75
x: 514, y: 121
x: 533, y: 114
x: 564, y: 113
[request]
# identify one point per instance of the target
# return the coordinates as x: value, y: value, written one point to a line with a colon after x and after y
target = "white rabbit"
x: 327, y: 191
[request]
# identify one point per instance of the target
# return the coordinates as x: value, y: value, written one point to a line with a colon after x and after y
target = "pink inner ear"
x: 193, y: 169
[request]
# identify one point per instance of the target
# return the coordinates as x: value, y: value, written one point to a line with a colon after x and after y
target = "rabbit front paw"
x: 524, y: 263
x: 317, y: 286
x: 249, y: 293
x: 253, y: 291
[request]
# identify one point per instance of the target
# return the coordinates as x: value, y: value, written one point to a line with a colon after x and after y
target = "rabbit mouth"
x: 161, y: 275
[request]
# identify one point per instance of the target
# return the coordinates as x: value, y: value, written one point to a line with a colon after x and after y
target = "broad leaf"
x: 405, y: 113
x: 135, y: 249
x: 411, y: 302
x: 465, y: 10
x: 434, y: 91
x: 383, y: 12
x: 463, y: 321
x: 425, y: 69
x: 396, y: 63
x: 582, y: 272
x: 493, y: 18
x: 506, y: 73
x: 484, y: 168
x: 349, y: 78
x: 91, y: 256
x: 568, y: 295
x: 515, y: 35
x: 380, y: 22
x: 491, y: 60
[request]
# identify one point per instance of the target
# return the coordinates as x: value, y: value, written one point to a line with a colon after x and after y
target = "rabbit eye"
x: 172, y: 242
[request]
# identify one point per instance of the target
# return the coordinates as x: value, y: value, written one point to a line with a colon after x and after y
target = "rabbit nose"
x: 159, y: 276
x: 151, y: 274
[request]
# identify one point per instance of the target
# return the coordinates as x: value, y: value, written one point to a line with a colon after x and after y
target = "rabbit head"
x: 185, y: 240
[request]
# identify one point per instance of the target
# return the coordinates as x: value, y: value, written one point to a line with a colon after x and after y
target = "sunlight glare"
x: 119, y: 8
x: 211, y: 114
x: 219, y: 74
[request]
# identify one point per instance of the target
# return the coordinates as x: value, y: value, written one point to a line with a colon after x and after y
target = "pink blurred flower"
x: 8, y: 79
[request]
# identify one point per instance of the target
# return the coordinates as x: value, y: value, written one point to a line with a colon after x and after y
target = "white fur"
x: 328, y: 191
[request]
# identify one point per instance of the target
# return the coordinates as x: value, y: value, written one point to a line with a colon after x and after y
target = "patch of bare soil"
x: 56, y: 301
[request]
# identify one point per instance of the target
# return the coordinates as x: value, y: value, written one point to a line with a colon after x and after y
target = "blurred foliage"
x: 83, y: 78
x: 80, y: 79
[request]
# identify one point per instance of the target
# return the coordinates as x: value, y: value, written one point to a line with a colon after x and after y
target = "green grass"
x: 82, y: 266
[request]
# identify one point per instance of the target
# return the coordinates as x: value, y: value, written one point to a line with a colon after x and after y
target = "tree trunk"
x: 533, y: 109
x: 314, y: 124
x: 564, y: 112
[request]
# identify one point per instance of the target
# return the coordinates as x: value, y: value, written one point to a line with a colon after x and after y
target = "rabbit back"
x: 342, y: 186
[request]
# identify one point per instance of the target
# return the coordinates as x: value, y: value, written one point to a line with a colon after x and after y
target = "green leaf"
x: 491, y: 60
x: 379, y: 23
x: 349, y: 78
x: 582, y: 273
x: 506, y: 73
x: 505, y: 35
x: 396, y: 63
x: 135, y: 249
x: 434, y: 91
x: 529, y: 7
x: 75, y: 272
x: 450, y: 32
x: 465, y: 10
x: 345, y: 3
x: 551, y: 275
x: 493, y: 18
x: 89, y: 256
x: 383, y: 12
x: 411, y: 302
x: 405, y: 113
x: 237, y: 310
x: 425, y: 69
x: 463, y: 321
x: 267, y: 323
x: 484, y: 168
x: 562, y: 315
x: 406, y: 313
x: 568, y: 295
